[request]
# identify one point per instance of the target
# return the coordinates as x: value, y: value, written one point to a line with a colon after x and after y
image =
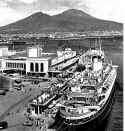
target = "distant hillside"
x: 68, y: 21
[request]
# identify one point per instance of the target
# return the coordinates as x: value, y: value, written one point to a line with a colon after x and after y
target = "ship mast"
x: 100, y: 46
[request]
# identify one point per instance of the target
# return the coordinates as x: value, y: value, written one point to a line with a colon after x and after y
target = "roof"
x: 83, y: 94
x: 22, y: 55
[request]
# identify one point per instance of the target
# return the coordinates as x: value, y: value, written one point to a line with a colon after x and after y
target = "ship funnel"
x: 97, y: 65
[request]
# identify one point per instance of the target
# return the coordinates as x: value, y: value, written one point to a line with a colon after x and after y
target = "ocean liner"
x: 91, y: 89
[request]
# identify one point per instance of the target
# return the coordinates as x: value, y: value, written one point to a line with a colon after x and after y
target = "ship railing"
x: 109, y: 78
x: 84, y: 116
x: 115, y: 66
x: 87, y: 107
x: 58, y: 61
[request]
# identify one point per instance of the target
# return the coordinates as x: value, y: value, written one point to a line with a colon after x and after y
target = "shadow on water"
x: 103, y: 127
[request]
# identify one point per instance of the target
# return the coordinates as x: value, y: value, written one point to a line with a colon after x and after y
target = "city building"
x: 32, y: 61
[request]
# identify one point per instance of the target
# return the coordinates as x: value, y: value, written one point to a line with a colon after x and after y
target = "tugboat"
x: 91, y: 89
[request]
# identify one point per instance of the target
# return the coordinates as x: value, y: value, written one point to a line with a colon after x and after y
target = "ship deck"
x: 76, y: 109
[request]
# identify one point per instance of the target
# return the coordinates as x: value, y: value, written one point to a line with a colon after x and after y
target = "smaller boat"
x: 63, y: 56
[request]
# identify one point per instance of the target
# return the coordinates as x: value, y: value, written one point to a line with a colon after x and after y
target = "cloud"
x: 3, y: 4
x: 13, y: 10
x: 104, y: 9
x: 8, y: 14
x: 28, y: 1
x: 52, y: 6
x: 107, y: 9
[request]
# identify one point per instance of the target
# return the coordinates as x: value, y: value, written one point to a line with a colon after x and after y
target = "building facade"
x: 34, y: 62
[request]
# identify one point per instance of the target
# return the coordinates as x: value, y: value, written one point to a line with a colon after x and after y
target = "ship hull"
x: 94, y: 122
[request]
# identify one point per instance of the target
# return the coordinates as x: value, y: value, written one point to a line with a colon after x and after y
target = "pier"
x: 63, y: 35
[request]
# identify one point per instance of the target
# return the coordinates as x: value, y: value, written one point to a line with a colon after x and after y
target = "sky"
x: 14, y: 10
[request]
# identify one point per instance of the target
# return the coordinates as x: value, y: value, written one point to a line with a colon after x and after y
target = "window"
x: 7, y: 64
x: 10, y: 65
x: 18, y: 65
x: 21, y: 65
x: 36, y: 67
x: 31, y: 67
x: 24, y: 66
x: 14, y: 65
x: 41, y: 67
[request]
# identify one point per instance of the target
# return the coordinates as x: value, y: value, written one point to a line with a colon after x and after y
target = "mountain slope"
x: 68, y: 21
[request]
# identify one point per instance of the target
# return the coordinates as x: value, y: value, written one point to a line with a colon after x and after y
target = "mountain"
x: 68, y: 21
x: 75, y: 13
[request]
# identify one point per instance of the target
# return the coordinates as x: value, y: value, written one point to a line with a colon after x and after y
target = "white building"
x: 3, y: 51
x: 32, y: 61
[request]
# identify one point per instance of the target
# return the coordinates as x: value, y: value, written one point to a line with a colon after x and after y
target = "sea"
x: 115, y: 122
x: 113, y: 48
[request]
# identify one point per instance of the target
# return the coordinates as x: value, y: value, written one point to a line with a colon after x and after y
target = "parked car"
x: 27, y: 123
x: 3, y: 125
x: 2, y: 92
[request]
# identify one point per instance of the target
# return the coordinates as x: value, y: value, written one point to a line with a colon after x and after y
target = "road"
x: 15, y: 103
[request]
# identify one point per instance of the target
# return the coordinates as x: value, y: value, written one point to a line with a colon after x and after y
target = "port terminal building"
x: 32, y: 61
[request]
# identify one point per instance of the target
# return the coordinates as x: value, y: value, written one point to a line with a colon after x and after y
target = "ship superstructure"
x: 90, y: 89
x: 63, y: 55
x: 64, y: 60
